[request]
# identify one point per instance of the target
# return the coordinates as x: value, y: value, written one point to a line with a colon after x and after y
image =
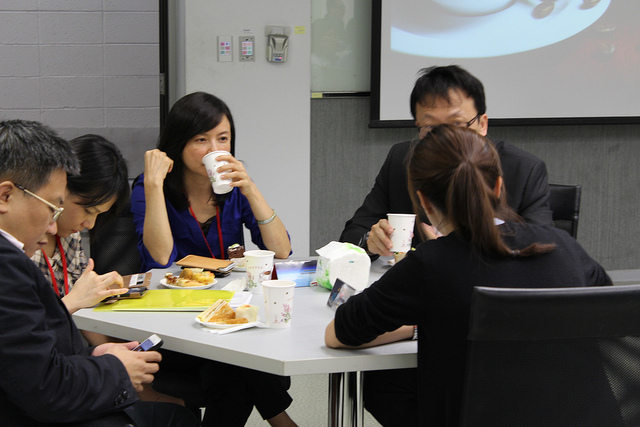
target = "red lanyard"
x: 63, y: 259
x: 205, y: 237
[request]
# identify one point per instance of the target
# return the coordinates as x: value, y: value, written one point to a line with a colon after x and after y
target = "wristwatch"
x: 363, y: 240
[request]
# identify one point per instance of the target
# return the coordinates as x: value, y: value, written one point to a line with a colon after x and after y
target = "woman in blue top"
x: 176, y: 213
x: 175, y: 210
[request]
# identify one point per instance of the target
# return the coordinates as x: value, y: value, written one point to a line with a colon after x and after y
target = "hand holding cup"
x: 379, y: 239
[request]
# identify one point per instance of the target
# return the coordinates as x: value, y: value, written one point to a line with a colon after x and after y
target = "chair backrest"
x: 553, y: 357
x: 565, y: 205
x: 116, y: 247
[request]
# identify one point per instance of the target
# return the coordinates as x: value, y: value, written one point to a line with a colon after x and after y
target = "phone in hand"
x: 154, y: 342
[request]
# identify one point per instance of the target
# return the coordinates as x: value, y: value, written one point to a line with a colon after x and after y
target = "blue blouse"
x: 187, y: 235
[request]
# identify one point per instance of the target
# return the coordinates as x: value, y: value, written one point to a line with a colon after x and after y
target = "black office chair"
x: 553, y: 357
x: 565, y: 205
x: 114, y: 245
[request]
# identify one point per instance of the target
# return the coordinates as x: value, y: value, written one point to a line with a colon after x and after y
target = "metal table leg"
x: 345, y: 399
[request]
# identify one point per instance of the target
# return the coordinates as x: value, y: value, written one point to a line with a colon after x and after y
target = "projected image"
x: 488, y: 28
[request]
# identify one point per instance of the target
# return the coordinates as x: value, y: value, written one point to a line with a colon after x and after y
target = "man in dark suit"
x: 440, y: 95
x: 445, y: 95
x: 47, y: 375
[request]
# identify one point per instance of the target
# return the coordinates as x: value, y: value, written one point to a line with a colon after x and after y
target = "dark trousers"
x: 391, y: 396
x: 145, y: 414
x: 228, y: 392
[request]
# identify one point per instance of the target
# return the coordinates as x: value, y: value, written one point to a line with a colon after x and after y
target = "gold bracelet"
x: 268, y: 220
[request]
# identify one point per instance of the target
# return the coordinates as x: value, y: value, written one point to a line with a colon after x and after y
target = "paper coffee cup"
x: 402, y: 231
x: 259, y: 266
x: 220, y: 186
x: 278, y: 302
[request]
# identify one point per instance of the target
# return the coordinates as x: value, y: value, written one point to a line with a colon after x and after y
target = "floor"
x: 310, y: 403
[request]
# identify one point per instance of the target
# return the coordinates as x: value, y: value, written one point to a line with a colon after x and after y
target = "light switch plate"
x: 225, y: 49
x: 247, y: 46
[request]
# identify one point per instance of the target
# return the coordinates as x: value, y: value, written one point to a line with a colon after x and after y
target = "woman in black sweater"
x: 456, y: 177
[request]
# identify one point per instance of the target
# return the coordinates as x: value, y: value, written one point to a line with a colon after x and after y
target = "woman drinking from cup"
x: 456, y: 178
x: 176, y: 213
x: 175, y: 209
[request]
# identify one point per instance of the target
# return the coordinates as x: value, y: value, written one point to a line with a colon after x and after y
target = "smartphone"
x: 227, y: 269
x: 134, y: 293
x: 154, y: 342
x: 137, y: 292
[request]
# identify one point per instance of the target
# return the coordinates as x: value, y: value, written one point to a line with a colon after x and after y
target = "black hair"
x: 437, y: 82
x: 191, y: 115
x: 30, y: 151
x: 103, y: 172
x: 103, y: 176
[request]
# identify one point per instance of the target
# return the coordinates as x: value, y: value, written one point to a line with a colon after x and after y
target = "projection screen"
x: 562, y: 61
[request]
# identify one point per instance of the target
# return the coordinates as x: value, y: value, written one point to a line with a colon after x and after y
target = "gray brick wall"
x: 83, y: 66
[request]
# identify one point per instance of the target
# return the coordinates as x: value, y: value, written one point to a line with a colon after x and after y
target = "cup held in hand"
x: 220, y: 186
x: 402, y: 231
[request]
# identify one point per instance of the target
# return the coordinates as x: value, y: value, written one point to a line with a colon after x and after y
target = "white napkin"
x: 240, y: 298
x: 237, y: 285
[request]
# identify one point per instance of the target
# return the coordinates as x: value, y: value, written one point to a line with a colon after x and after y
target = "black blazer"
x: 47, y: 374
x: 525, y: 180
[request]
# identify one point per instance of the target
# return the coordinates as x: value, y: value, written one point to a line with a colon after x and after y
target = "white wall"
x: 270, y: 102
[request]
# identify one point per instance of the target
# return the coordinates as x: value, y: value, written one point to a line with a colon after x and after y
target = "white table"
x: 297, y: 350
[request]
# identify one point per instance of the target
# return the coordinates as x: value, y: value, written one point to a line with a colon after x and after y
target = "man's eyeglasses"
x: 57, y: 210
x: 424, y: 130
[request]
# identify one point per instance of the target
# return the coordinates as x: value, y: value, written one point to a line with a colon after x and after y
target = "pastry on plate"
x: 247, y: 311
x: 190, y: 277
x: 236, y: 254
x: 235, y: 251
x: 221, y: 312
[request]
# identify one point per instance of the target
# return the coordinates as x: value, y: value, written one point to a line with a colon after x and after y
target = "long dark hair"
x: 456, y: 169
x: 191, y: 115
x: 103, y: 173
x: 103, y: 176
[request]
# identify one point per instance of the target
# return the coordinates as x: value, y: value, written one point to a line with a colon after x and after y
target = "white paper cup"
x: 259, y: 266
x: 220, y: 186
x: 278, y: 302
x: 402, y: 231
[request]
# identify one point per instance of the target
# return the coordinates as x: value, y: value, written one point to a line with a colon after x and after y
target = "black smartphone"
x: 137, y: 292
x: 154, y: 342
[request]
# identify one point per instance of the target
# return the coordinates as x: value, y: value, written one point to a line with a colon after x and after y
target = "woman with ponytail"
x: 455, y: 177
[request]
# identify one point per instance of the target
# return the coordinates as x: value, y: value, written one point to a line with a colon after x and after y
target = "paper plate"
x: 163, y: 282
x: 214, y: 325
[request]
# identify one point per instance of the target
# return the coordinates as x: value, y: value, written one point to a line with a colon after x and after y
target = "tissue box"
x: 344, y: 261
